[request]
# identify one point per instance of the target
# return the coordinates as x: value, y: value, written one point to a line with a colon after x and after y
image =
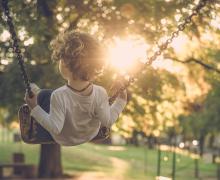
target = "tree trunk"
x: 50, y: 161
x: 134, y: 138
x: 151, y: 142
x: 211, y: 141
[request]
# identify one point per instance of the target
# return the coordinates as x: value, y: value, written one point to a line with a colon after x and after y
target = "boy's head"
x: 80, y: 53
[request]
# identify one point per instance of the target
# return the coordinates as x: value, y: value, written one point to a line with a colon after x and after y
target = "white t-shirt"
x: 75, y: 119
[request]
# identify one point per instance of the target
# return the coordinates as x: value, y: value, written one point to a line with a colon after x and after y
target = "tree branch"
x: 204, y: 65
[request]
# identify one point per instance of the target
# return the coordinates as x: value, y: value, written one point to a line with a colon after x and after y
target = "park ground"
x: 96, y: 162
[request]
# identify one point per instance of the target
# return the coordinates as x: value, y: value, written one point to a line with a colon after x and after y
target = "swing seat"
x: 33, y: 133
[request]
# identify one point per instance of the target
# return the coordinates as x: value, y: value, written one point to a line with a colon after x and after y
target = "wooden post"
x: 196, y: 168
x: 18, y: 158
x: 145, y: 161
x: 174, y: 159
x: 158, y: 160
x: 217, y: 160
x: 1, y: 172
x: 196, y: 163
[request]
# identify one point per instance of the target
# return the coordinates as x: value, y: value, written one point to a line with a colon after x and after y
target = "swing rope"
x: 150, y: 60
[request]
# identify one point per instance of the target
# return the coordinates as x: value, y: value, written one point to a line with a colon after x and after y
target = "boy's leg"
x: 43, y: 99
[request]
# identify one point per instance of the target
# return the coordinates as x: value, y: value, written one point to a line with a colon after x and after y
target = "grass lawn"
x: 121, y: 163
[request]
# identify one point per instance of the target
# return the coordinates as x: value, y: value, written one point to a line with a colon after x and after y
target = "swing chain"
x: 163, y: 46
x: 15, y: 45
x: 180, y: 27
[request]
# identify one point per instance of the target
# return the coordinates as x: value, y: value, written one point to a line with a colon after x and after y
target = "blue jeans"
x: 43, y: 99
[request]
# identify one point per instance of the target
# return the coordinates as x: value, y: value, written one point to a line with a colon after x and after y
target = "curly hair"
x: 82, y: 54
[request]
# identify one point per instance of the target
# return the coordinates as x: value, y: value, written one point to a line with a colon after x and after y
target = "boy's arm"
x: 108, y: 114
x: 54, y: 121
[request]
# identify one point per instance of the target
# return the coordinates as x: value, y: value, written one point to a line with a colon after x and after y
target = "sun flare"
x: 123, y: 53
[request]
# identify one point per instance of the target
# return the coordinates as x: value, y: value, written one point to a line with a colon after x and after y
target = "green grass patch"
x: 135, y: 163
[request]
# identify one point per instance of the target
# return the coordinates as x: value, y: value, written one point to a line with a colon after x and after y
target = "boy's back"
x: 76, y: 118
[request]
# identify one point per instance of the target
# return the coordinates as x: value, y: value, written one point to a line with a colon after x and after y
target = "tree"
x: 204, y: 117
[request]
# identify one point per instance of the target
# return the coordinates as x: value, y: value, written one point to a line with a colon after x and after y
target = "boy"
x: 77, y: 110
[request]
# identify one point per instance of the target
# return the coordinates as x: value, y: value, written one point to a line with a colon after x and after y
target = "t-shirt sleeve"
x: 108, y: 114
x: 53, y: 121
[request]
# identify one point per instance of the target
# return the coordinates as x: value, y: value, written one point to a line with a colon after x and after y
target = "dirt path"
x: 119, y: 169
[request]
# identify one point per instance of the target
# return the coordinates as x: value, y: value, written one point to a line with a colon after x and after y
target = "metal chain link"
x: 16, y: 48
x: 163, y: 46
